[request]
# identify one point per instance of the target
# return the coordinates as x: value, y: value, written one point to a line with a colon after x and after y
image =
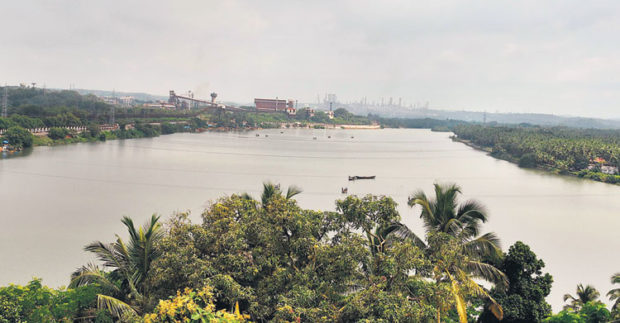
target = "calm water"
x: 56, y: 200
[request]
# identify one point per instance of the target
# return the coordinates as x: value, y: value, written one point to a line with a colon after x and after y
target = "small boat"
x: 257, y: 135
x: 354, y: 178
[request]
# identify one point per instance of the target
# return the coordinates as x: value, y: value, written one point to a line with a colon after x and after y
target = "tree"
x: 126, y: 288
x: 281, y: 262
x: 565, y: 317
x: 19, y: 137
x: 35, y: 302
x: 524, y: 300
x: 614, y: 296
x: 193, y: 306
x: 444, y: 215
x: 271, y: 190
x: 590, y: 312
x: 58, y: 133
x: 595, y: 312
x: 528, y: 161
x: 454, y: 270
x: 584, y: 295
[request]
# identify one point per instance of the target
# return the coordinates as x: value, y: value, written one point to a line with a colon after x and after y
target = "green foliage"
x: 19, y: 137
x: 584, y: 295
x: 26, y: 122
x: 280, y: 262
x: 563, y: 150
x: 614, y: 296
x: 192, y: 306
x: 126, y: 291
x: 591, y: 312
x: 528, y: 161
x: 595, y: 312
x: 37, y: 303
x: 58, y: 133
x: 168, y: 128
x: 565, y: 317
x: 524, y: 300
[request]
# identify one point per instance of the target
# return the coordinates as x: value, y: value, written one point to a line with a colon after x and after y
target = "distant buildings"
x: 291, y: 111
x: 124, y: 101
x: 274, y: 105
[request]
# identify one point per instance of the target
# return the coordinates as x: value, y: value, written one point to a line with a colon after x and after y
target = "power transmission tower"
x: 5, y: 102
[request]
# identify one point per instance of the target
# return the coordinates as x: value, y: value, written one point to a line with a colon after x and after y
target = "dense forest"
x: 265, y: 259
x: 590, y: 153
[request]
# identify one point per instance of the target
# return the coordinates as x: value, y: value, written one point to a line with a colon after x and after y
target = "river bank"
x: 156, y: 130
x: 580, y: 174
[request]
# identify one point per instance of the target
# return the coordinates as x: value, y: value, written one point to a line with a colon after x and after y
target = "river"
x: 57, y: 199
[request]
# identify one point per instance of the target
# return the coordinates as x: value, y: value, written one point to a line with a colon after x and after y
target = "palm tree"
x: 270, y: 190
x: 583, y: 296
x: 443, y: 214
x: 456, y: 270
x: 614, y: 294
x: 130, y: 263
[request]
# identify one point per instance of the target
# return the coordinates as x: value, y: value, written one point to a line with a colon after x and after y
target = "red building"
x: 273, y: 105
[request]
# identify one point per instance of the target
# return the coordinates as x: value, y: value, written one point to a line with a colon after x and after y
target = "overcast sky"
x: 559, y: 57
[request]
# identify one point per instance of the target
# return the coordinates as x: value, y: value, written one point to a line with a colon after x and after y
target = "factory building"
x: 274, y: 105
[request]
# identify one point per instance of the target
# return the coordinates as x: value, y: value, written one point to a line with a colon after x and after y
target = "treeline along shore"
x: 265, y: 259
x: 68, y: 117
x: 587, y: 153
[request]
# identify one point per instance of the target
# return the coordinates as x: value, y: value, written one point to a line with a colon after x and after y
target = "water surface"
x: 57, y: 199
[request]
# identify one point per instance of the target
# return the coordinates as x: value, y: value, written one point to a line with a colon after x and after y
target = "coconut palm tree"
x: 614, y: 294
x: 444, y: 214
x: 583, y: 296
x: 270, y: 190
x: 454, y: 272
x: 130, y: 263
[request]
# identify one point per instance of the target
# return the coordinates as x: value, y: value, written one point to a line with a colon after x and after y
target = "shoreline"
x: 551, y: 171
x: 45, y: 141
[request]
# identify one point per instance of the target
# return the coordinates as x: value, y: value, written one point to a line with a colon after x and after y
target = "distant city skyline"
x: 553, y: 57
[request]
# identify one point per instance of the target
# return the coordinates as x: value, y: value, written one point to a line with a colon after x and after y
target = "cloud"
x: 455, y: 54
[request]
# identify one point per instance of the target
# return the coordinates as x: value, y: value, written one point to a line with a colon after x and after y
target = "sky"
x: 560, y: 57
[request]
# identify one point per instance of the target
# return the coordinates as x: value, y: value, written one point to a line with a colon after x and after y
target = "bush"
x: 168, y: 128
x: 37, y: 303
x: 528, y: 161
x: 19, y: 137
x: 58, y: 133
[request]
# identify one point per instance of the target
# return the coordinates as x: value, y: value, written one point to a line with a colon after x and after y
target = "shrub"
x: 58, y: 133
x: 19, y: 137
x: 528, y: 161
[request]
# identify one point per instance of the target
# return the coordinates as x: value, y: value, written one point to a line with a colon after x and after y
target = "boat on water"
x: 354, y: 178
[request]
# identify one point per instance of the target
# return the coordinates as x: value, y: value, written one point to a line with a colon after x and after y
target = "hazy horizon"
x: 556, y: 57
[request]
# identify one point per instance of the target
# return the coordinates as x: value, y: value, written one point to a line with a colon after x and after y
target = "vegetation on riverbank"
x: 588, y: 153
x: 267, y: 259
